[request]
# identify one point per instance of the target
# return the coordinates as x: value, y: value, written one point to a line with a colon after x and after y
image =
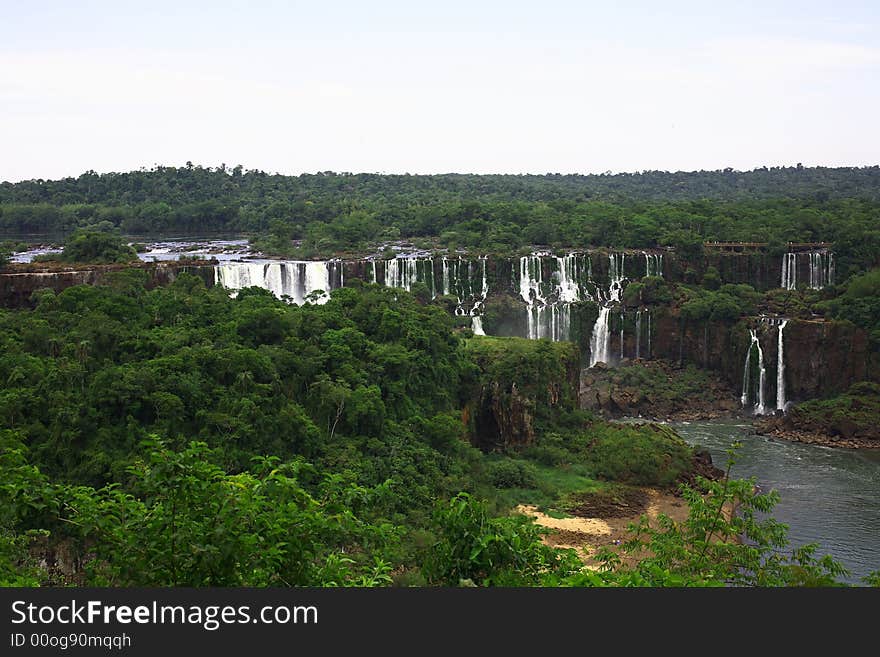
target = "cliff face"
x: 18, y: 283
x: 520, y: 383
x: 822, y: 358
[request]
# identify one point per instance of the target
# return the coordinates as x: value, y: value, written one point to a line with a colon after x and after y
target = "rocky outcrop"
x: 19, y: 282
x: 848, y: 420
x: 521, y: 383
x: 657, y: 389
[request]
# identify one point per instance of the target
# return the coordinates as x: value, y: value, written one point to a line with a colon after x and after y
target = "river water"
x: 827, y: 496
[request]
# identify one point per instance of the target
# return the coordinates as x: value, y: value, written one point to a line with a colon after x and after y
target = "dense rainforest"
x: 158, y: 436
x: 327, y: 213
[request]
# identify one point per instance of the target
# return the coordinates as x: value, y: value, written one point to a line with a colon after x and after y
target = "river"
x: 828, y: 496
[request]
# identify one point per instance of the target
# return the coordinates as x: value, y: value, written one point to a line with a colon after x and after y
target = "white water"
x: 477, y: 325
x: 789, y: 271
x: 821, y: 269
x: 601, y: 338
x: 760, y: 408
x: 622, y: 316
x: 780, y: 370
x: 295, y: 280
x: 653, y: 264
x: 615, y: 276
x: 548, y: 303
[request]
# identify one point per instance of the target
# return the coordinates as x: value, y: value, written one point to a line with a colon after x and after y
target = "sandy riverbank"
x: 587, y: 535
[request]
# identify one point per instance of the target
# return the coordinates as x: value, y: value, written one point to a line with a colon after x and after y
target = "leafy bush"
x: 511, y: 473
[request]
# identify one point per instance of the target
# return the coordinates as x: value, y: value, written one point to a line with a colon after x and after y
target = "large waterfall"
x: 780, y: 369
x: 601, y: 338
x: 548, y: 303
x: 294, y: 280
x: 821, y: 269
x: 760, y: 408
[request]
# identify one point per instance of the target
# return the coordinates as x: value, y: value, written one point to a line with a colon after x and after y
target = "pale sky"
x: 474, y: 86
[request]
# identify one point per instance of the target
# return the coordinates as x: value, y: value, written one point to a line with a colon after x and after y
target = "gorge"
x: 599, y: 299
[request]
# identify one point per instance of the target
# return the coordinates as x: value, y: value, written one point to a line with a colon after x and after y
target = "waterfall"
x: 653, y: 264
x: 821, y: 269
x: 744, y: 399
x: 760, y: 408
x: 622, y: 318
x: 650, y: 353
x: 295, y: 280
x: 780, y: 370
x: 638, y: 334
x: 548, y: 314
x: 601, y: 337
x: 615, y: 276
x: 401, y: 272
x: 789, y: 271
x: 568, y: 271
x: 477, y: 308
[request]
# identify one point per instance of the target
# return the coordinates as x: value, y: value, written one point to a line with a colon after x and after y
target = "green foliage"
x: 727, y: 539
x: 854, y: 413
x: 474, y: 547
x: 95, y: 247
x: 511, y: 473
x: 187, y: 523
x: 727, y: 304
x: 328, y: 212
x: 651, y: 455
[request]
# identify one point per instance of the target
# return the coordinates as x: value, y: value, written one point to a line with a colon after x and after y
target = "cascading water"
x: 570, y: 273
x: 780, y: 370
x: 760, y: 408
x: 821, y: 269
x: 649, y: 334
x: 653, y: 264
x: 548, y: 303
x: 601, y: 338
x: 616, y: 276
x: 477, y: 308
x: 622, y: 318
x: 789, y: 271
x: 295, y: 280
x: 530, y: 290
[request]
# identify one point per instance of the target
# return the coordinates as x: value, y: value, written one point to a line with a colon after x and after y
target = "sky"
x: 435, y: 87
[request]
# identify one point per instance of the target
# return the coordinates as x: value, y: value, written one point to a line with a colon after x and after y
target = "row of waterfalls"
x: 549, y: 287
x: 819, y: 266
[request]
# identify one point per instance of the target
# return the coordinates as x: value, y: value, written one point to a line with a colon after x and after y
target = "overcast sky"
x: 507, y: 87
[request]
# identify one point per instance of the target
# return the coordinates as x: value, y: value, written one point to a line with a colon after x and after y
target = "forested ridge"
x: 325, y: 213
